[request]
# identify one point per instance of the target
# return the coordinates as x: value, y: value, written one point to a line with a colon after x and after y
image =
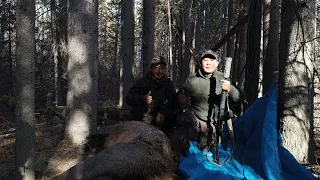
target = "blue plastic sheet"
x: 257, y: 153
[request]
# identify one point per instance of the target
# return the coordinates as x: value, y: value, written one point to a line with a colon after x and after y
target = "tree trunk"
x: 200, y: 29
x: 253, y: 51
x: 25, y: 94
x: 230, y: 44
x: 81, y: 107
x: 11, y: 74
x: 62, y: 57
x: 82, y: 70
x: 271, y: 61
x: 116, y: 45
x: 242, y: 59
x: 223, y: 31
x: 187, y: 26
x: 316, y: 81
x: 148, y: 21
x: 295, y: 82
x: 54, y: 48
x: 170, y: 40
x: 127, y: 49
x: 189, y: 55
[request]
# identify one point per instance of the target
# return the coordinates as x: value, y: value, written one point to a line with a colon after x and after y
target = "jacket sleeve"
x: 186, y: 87
x: 135, y: 96
x: 235, y: 95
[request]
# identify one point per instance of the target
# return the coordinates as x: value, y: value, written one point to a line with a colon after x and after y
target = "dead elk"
x: 133, y: 150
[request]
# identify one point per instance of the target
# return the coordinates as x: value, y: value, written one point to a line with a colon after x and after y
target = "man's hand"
x: 159, y: 118
x: 182, y: 98
x: 225, y: 85
x: 148, y: 98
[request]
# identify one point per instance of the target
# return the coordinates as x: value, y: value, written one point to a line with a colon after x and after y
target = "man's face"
x: 159, y: 70
x: 209, y: 64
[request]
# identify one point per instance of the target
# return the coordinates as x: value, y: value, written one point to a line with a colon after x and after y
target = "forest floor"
x: 49, y: 133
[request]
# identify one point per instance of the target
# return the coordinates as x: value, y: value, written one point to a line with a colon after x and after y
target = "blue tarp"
x: 257, y: 153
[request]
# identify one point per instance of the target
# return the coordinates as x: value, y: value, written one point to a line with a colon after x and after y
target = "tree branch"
x: 231, y: 32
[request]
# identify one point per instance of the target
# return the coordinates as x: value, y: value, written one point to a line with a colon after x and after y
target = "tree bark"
x: 253, y: 51
x: 82, y: 70
x: 230, y: 44
x: 296, y: 82
x: 62, y: 56
x: 170, y: 40
x: 223, y: 31
x: 127, y: 49
x: 25, y: 94
x: 148, y: 24
x: 271, y: 61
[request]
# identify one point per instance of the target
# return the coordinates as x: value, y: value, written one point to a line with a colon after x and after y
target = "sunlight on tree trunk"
x: 25, y: 91
x: 295, y: 84
x: 82, y: 70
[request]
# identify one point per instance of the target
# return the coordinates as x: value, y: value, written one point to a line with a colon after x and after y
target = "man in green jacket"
x: 152, y: 97
x: 203, y: 90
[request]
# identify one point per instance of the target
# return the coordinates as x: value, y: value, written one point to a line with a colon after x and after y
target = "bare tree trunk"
x: 223, y: 31
x: 62, y: 57
x: 116, y: 52
x: 207, y: 22
x: 199, y: 34
x: 316, y: 81
x: 241, y: 63
x: 230, y: 44
x: 82, y: 70
x: 187, y: 26
x: 271, y: 61
x: 253, y: 51
x: 11, y: 75
x: 81, y: 119
x: 148, y: 23
x: 242, y: 58
x: 170, y: 40
x: 25, y: 94
x: 127, y: 49
x: 296, y: 82
x: 54, y: 48
x: 190, y: 44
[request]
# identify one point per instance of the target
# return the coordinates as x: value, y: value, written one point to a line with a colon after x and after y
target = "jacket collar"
x: 203, y: 75
x: 149, y: 75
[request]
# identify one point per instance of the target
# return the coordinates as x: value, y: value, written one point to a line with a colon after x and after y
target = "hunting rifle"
x: 224, y: 115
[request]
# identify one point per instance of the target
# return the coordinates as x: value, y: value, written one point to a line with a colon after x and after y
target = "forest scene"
x: 70, y: 72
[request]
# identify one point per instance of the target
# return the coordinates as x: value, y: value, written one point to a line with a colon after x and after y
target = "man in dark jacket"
x: 152, y: 97
x: 203, y: 90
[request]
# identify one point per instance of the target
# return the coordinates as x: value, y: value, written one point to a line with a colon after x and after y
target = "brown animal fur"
x: 133, y: 150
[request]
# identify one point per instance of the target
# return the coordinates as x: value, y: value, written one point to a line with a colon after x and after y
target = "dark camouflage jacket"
x: 162, y: 92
